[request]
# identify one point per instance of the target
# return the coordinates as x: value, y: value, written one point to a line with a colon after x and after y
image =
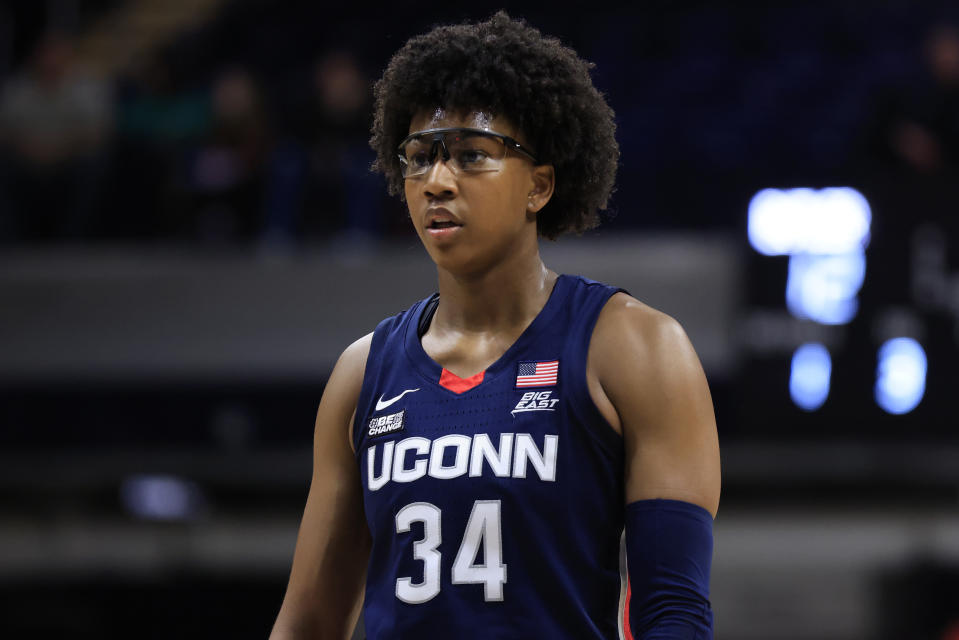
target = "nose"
x: 440, y: 181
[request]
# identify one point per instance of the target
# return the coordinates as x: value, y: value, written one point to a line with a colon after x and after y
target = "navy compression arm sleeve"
x: 669, y: 548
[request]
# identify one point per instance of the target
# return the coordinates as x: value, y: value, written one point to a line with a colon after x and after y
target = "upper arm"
x: 326, y: 583
x: 649, y: 372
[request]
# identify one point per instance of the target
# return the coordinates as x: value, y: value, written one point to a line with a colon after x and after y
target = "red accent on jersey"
x: 456, y: 384
x: 627, y: 632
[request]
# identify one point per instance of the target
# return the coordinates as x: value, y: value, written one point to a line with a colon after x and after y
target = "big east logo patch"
x: 535, y: 401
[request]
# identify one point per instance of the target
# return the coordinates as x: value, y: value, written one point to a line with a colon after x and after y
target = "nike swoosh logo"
x: 382, y: 404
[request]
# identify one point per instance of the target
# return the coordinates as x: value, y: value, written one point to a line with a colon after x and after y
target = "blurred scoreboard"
x: 851, y: 323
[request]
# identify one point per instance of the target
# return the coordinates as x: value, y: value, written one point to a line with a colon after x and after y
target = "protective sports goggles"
x: 464, y: 149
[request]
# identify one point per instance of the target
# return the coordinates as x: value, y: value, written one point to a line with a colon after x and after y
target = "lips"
x: 438, y: 218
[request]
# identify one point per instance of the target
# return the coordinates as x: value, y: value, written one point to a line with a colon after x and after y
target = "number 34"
x: 483, y: 528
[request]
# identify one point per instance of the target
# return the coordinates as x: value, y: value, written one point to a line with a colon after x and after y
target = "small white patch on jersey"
x: 535, y: 401
x: 382, y: 404
x: 385, y: 424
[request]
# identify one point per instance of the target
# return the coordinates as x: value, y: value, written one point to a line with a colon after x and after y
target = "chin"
x: 449, y: 261
x: 463, y: 264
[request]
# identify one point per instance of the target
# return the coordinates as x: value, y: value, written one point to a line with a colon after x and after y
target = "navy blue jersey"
x: 495, y: 503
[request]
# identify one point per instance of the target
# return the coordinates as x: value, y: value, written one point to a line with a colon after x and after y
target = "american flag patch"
x: 537, y: 374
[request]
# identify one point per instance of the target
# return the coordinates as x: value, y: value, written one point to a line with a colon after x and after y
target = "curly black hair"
x: 508, y: 68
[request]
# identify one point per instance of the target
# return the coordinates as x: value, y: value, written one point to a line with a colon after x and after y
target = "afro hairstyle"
x: 508, y: 68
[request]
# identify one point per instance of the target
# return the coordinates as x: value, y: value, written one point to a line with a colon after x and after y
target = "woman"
x: 479, y: 456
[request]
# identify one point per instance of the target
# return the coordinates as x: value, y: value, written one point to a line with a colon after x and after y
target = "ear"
x: 543, y: 180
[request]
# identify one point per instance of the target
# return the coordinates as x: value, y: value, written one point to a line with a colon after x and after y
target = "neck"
x: 507, y: 296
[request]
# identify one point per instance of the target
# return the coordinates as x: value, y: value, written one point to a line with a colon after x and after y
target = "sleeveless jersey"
x: 495, y: 502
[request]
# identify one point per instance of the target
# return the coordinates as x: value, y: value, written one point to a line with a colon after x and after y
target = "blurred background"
x: 189, y: 236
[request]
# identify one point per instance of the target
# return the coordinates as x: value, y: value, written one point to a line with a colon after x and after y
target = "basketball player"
x: 480, y: 458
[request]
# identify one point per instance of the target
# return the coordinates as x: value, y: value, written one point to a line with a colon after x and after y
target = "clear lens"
x: 464, y: 151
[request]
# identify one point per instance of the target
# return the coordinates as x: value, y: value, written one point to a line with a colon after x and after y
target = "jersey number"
x: 483, y: 529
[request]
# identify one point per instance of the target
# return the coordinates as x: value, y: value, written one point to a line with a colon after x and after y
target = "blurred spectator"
x: 158, y: 110
x: 918, y: 126
x: 226, y: 172
x: 338, y: 129
x: 158, y: 122
x: 54, y: 121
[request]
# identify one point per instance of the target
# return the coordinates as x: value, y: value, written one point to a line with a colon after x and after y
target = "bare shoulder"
x: 625, y: 314
x: 648, y: 369
x: 627, y: 326
x: 343, y: 388
x: 352, y: 362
